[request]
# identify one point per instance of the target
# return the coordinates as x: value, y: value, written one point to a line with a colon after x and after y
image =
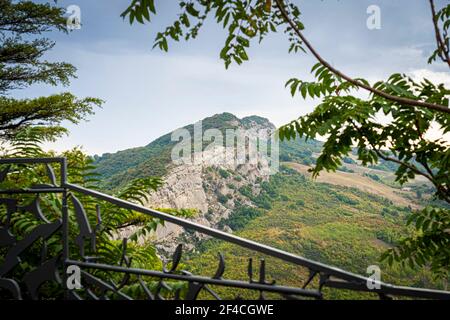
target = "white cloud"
x: 148, y: 95
x: 434, y: 76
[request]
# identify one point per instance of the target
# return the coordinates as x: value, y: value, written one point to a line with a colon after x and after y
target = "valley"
x: 359, y: 181
x: 340, y: 226
x: 346, y: 218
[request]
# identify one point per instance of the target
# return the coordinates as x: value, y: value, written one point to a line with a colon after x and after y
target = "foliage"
x: 22, y: 50
x: 345, y: 169
x: 81, y: 171
x: 348, y: 160
x: 316, y: 221
x: 442, y: 38
x: 373, y: 176
x: 430, y: 246
x: 349, y: 120
x: 224, y: 173
x: 240, y: 217
x: 384, y: 165
x: 223, y: 199
x: 19, y: 55
x: 343, y: 118
x: 262, y: 199
x: 244, y: 21
x: 352, y: 121
x: 300, y: 150
x: 49, y: 111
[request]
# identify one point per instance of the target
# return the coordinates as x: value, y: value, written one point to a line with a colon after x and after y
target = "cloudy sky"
x: 149, y: 93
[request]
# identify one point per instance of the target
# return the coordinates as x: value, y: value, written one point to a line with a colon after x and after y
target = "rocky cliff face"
x: 211, y: 187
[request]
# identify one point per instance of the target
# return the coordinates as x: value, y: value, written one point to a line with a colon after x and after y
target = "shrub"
x: 222, y: 199
x: 346, y: 199
x: 373, y: 176
x: 224, y: 173
x: 348, y: 160
x: 240, y: 217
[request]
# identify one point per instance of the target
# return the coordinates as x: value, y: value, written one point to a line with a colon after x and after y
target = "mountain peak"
x: 121, y: 167
x: 254, y: 120
x: 228, y: 120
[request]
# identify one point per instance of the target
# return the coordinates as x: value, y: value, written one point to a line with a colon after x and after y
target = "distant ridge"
x: 117, y: 169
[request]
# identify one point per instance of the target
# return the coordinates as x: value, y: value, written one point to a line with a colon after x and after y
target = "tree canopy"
x: 26, y: 123
x: 22, y: 64
x: 347, y: 122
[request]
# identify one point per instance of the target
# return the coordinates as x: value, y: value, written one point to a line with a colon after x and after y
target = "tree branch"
x: 400, y: 100
x: 440, y: 189
x: 129, y: 224
x: 442, y: 47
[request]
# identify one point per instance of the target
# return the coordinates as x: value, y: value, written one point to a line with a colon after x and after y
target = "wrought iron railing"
x: 52, y: 269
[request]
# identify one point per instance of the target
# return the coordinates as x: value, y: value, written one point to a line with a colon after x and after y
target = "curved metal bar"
x: 31, y: 160
x: 329, y: 276
x: 191, y: 278
x: 354, y: 279
x: 249, y: 244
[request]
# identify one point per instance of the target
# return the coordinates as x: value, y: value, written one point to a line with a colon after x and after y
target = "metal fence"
x: 320, y: 277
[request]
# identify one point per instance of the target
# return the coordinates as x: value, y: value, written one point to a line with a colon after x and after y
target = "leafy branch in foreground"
x: 407, y: 101
x: 43, y: 111
x: 442, y: 38
x: 430, y: 246
x: 401, y: 136
x: 392, y: 124
x: 81, y: 171
x: 250, y: 19
x: 22, y: 64
x: 349, y: 121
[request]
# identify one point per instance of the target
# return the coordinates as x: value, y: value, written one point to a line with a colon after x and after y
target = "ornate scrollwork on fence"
x: 45, y: 270
x: 23, y: 279
x: 97, y: 288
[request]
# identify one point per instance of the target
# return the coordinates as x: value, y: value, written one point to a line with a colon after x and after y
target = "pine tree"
x: 22, y: 64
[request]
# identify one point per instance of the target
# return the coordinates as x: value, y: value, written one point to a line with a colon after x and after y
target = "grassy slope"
x: 333, y: 224
x: 357, y: 180
x: 117, y: 169
x: 340, y: 226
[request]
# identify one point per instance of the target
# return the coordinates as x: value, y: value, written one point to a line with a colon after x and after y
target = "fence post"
x: 65, y: 223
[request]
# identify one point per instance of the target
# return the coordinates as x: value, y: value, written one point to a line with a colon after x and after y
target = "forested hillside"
x: 116, y: 169
x: 336, y: 225
x: 359, y: 178
x: 346, y: 218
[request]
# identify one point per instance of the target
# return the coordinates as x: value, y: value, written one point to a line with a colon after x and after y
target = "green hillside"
x: 339, y: 226
x: 117, y: 169
x: 330, y: 223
